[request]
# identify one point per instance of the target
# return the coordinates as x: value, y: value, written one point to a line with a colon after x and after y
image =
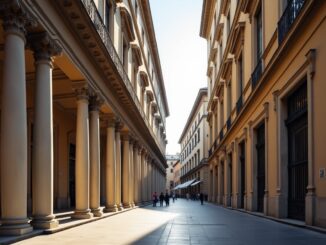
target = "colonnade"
x: 131, y: 173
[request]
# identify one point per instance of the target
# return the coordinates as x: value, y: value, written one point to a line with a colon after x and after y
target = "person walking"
x: 167, y: 199
x: 161, y: 199
x: 201, y: 197
x: 173, y: 196
x: 154, y: 199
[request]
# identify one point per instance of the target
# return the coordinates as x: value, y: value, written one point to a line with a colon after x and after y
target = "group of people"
x: 162, y: 198
x: 194, y: 197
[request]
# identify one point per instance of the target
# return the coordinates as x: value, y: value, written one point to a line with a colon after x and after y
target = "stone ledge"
x: 65, y: 226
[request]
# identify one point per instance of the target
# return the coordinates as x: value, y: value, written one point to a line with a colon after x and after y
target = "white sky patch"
x: 183, y: 58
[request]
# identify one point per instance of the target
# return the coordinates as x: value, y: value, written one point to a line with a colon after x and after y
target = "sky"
x: 183, y: 59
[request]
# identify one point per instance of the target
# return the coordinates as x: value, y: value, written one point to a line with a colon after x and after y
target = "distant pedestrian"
x: 154, y: 199
x: 167, y: 199
x: 161, y: 199
x: 201, y: 197
x: 173, y: 197
x: 187, y: 196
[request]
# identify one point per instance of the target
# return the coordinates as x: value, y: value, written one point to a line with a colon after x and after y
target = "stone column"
x: 131, y: 172
x: 136, y: 153
x: 119, y: 126
x: 94, y: 131
x: 126, y: 171
x: 143, y: 177
x: 146, y: 178
x: 42, y: 167
x: 149, y: 180
x: 82, y: 153
x: 214, y: 183
x: 110, y: 166
x: 14, y: 220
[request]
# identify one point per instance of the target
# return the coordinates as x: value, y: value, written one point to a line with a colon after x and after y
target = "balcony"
x: 290, y: 14
x: 239, y: 104
x: 255, y: 76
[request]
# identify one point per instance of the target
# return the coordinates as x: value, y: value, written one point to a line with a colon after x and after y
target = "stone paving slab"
x: 183, y: 222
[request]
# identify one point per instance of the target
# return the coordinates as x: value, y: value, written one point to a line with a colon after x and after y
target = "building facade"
x: 170, y: 160
x: 176, y: 177
x: 194, y: 148
x: 83, y: 110
x: 266, y: 106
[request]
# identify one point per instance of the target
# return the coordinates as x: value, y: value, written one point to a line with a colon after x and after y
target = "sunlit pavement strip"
x: 183, y: 222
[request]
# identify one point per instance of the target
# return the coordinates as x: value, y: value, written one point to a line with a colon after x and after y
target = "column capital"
x: 110, y: 120
x: 118, y: 125
x: 125, y: 136
x: 95, y: 102
x: 15, y: 18
x: 81, y: 89
x: 43, y: 46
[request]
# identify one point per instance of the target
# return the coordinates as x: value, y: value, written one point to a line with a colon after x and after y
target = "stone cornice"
x: 145, y: 9
x: 206, y: 17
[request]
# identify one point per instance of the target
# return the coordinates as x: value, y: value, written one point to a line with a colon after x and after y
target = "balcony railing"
x: 102, y: 31
x: 291, y: 12
x: 255, y: 76
x: 239, y: 104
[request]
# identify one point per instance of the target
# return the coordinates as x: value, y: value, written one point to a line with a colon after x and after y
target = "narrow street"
x: 183, y: 222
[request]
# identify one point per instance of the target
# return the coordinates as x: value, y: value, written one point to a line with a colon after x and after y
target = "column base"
x: 44, y: 222
x: 266, y: 203
x: 126, y: 205
x: 120, y: 207
x: 110, y: 209
x: 310, y: 208
x: 281, y: 206
x: 96, y: 212
x: 15, y: 227
x: 82, y: 214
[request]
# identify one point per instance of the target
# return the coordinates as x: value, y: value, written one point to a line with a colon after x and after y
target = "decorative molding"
x: 43, y: 46
x: 127, y: 26
x: 95, y: 101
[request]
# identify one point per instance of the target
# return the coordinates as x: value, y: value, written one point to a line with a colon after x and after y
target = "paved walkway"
x: 183, y: 222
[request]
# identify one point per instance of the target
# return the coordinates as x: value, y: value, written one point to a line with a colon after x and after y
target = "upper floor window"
x: 136, y: 9
x: 143, y: 36
x: 198, y: 135
x: 125, y: 54
x: 107, y: 21
x: 228, y: 23
x: 240, y: 74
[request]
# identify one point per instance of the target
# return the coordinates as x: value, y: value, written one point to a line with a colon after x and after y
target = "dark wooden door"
x: 72, y: 179
x: 297, y: 124
x: 260, y: 147
x: 242, y: 174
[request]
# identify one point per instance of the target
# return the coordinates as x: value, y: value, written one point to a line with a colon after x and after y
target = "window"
x: 125, y: 54
x: 240, y: 76
x: 136, y: 9
x: 107, y: 14
x: 198, y: 133
x: 143, y: 36
x: 228, y: 23
x: 171, y: 170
